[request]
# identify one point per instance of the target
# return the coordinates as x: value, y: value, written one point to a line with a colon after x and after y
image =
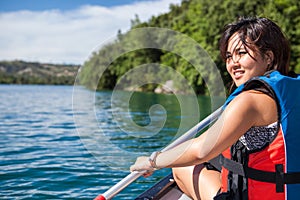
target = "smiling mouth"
x: 238, y: 74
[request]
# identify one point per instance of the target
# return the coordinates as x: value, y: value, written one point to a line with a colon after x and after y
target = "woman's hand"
x: 142, y: 164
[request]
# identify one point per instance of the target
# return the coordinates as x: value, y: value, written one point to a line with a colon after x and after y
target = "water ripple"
x: 43, y: 157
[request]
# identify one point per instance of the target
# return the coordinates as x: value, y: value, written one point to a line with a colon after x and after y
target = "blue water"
x: 46, y: 152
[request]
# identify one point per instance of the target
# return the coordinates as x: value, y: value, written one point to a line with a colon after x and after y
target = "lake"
x: 65, y: 142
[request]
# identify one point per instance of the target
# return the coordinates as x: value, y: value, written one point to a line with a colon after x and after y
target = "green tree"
x: 201, y: 20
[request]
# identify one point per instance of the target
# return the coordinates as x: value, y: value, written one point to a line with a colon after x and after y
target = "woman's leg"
x: 198, y: 182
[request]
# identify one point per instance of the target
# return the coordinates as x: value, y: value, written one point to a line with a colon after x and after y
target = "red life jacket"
x: 265, y: 160
x: 273, y: 171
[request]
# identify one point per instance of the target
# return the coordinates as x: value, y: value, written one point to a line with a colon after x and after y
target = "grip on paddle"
x: 100, y: 197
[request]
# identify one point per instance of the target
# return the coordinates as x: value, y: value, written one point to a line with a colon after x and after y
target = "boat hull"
x: 165, y: 189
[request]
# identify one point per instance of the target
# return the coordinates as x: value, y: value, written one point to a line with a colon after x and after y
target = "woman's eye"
x: 242, y: 52
x: 228, y: 56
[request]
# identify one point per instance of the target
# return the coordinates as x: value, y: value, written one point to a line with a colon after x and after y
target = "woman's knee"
x: 183, y: 178
x: 197, y: 182
x: 178, y: 173
x: 182, y: 173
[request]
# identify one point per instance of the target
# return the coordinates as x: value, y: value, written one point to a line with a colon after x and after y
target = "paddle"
x: 186, y: 136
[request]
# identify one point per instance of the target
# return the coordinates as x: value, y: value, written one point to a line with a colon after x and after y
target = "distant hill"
x: 20, y: 72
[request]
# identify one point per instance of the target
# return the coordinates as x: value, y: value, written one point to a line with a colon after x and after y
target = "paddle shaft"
x: 186, y: 136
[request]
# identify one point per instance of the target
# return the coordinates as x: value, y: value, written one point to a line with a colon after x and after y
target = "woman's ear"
x: 269, y: 57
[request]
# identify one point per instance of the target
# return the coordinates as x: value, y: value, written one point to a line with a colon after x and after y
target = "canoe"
x: 165, y: 189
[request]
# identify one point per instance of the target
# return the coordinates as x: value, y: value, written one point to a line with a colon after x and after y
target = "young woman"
x: 256, y: 130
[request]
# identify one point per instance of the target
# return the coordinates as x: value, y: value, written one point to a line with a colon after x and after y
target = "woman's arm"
x: 246, y: 110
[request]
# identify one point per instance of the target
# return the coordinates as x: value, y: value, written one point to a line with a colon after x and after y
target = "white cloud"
x: 68, y: 36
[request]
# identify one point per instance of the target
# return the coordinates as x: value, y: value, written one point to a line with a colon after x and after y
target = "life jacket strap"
x: 232, y: 165
x: 278, y: 177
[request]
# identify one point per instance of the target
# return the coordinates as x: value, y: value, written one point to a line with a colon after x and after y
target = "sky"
x: 67, y: 31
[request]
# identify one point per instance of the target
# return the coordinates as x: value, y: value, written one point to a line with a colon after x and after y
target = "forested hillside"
x: 201, y: 20
x: 20, y: 72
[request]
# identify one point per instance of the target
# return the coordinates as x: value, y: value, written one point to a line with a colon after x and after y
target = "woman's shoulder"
x: 260, y: 106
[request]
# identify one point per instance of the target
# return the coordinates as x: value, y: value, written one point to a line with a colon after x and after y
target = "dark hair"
x: 262, y: 35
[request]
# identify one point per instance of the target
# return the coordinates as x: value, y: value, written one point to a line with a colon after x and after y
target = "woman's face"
x: 239, y: 63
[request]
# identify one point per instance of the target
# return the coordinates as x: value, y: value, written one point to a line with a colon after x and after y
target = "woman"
x: 249, y: 131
